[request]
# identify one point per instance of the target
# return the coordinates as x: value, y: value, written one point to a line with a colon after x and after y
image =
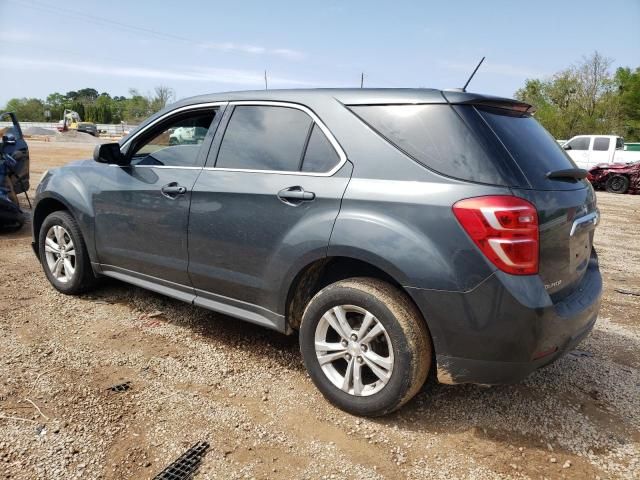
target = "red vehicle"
x: 616, y: 177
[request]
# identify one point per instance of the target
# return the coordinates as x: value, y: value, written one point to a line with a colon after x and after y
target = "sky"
x: 200, y: 46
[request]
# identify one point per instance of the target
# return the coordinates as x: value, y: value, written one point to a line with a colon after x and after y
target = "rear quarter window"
x: 451, y: 141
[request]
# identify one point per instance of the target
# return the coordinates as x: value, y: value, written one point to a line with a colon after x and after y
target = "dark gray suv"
x: 403, y: 233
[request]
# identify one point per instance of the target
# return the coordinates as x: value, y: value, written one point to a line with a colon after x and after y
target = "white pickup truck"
x: 587, y: 151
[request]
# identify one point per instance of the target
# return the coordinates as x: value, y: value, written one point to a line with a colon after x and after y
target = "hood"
x: 80, y: 163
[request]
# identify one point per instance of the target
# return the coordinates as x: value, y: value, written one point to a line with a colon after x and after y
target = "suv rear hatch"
x: 566, y: 203
x: 497, y: 142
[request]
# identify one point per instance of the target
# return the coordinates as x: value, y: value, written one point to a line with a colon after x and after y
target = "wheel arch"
x: 49, y: 202
x: 316, y: 275
x: 43, y: 209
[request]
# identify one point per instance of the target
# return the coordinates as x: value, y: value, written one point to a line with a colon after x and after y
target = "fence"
x: 105, y: 128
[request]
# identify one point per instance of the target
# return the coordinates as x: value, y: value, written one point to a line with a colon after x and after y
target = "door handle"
x: 295, y: 195
x: 172, y: 190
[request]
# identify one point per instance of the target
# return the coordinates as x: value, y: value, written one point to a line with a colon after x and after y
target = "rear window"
x: 531, y: 146
x: 448, y: 140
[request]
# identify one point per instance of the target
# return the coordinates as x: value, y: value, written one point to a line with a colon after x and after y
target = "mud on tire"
x: 404, y: 327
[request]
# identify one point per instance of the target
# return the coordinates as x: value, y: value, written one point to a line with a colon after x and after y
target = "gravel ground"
x: 196, y: 375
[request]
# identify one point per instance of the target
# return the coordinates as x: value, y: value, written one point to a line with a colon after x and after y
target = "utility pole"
x: 266, y: 84
x: 362, y: 80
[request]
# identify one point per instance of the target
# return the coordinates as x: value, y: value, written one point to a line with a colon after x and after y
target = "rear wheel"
x: 617, y: 184
x: 63, y: 254
x: 365, y: 345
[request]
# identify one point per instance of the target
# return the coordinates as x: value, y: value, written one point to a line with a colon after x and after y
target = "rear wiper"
x: 575, y: 173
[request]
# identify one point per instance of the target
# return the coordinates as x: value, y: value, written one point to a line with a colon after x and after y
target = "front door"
x: 578, y: 150
x: 15, y: 145
x: 266, y: 209
x: 142, y: 210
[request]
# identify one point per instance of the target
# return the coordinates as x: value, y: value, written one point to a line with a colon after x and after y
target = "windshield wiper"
x: 574, y: 173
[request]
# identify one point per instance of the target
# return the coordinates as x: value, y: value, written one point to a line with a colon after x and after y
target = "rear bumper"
x: 507, y: 327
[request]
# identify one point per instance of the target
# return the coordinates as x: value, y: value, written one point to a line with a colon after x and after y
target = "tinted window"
x: 619, y: 143
x: 601, y: 144
x: 264, y: 138
x: 175, y: 142
x: 531, y: 146
x: 320, y: 155
x: 580, y: 143
x: 453, y: 142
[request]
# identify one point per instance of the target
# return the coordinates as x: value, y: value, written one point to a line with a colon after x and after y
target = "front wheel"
x: 63, y: 254
x: 617, y: 184
x: 365, y: 345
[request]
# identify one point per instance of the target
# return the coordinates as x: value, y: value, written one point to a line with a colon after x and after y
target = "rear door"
x: 566, y: 207
x: 600, y: 151
x: 265, y: 204
x: 142, y: 209
x: 16, y: 146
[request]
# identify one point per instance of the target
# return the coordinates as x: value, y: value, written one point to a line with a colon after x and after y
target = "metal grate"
x: 184, y: 468
x: 120, y: 387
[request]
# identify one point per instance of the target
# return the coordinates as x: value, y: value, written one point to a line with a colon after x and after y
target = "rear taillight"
x: 505, y: 229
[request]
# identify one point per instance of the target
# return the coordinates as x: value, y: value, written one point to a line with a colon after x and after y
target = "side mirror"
x: 566, y: 147
x: 9, y: 139
x: 109, y: 153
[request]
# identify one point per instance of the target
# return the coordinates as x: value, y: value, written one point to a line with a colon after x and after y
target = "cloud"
x: 252, y: 49
x: 495, y: 68
x: 195, y: 74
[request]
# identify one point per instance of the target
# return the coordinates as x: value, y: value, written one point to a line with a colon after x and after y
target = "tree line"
x: 92, y: 106
x: 587, y: 98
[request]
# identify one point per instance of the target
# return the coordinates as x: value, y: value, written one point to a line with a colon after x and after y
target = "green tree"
x: 87, y: 95
x: 628, y: 88
x: 56, y: 103
x: 582, y: 99
x: 27, y: 109
x: 137, y: 107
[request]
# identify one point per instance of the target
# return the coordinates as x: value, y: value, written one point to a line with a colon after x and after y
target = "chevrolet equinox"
x: 404, y: 234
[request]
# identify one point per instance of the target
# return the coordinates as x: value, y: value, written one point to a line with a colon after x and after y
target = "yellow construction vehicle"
x: 71, y: 121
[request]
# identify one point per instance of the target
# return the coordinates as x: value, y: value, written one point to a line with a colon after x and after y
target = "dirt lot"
x: 196, y: 375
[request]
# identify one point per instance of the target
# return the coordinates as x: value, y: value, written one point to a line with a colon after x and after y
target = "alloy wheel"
x: 354, y: 350
x: 60, y: 254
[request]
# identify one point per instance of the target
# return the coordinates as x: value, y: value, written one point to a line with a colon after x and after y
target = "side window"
x: 619, y: 143
x: 601, y: 144
x: 175, y: 142
x: 260, y: 137
x: 580, y: 143
x: 320, y: 155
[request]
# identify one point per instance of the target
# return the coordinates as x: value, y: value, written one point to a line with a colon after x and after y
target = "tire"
x: 404, y: 344
x: 82, y: 278
x: 617, y: 184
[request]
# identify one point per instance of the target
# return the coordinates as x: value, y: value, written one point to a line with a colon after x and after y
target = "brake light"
x: 505, y: 229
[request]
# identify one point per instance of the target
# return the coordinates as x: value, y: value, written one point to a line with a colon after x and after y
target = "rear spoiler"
x: 463, y: 98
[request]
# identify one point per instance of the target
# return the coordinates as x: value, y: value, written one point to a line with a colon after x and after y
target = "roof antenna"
x: 266, y: 84
x: 464, y: 89
x: 362, y: 80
